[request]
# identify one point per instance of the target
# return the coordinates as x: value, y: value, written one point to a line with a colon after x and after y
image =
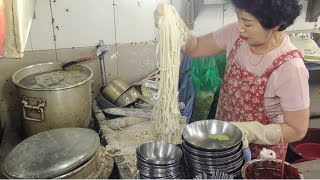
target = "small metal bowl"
x: 161, y: 176
x: 230, y: 170
x: 160, y: 172
x: 114, y: 90
x: 145, y: 163
x: 103, y: 103
x: 142, y: 105
x: 128, y: 97
x: 159, y: 152
x: 197, y: 134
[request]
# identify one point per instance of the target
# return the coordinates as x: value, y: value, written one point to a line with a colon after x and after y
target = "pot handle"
x: 35, y: 105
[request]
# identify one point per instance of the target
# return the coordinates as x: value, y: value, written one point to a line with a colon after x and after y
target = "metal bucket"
x: 269, y: 169
x: 46, y: 108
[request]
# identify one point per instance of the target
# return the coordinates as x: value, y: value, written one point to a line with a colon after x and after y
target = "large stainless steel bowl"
x: 197, y: 134
x: 213, y: 154
x: 160, y: 152
x: 235, y: 168
x: 213, y: 161
x: 231, y: 168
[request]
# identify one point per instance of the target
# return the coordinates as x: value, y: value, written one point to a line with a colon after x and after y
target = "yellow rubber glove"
x: 260, y: 134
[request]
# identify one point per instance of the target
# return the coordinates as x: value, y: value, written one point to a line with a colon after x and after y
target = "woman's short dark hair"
x: 271, y: 13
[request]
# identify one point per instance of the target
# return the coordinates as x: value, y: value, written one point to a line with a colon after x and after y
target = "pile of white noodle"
x: 166, y: 113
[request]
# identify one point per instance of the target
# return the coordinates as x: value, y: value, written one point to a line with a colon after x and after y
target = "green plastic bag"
x: 207, y: 75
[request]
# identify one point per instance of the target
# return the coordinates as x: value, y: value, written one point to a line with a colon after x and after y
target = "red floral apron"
x: 242, y: 95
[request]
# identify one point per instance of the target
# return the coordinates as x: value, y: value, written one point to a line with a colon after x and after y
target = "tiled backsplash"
x: 79, y: 24
x: 213, y: 17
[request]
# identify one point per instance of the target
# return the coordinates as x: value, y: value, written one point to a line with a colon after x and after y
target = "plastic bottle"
x: 267, y: 154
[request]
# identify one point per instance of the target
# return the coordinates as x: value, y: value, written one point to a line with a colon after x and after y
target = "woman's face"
x: 251, y: 30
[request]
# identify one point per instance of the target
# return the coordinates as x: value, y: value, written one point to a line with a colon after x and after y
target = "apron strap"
x: 280, y: 60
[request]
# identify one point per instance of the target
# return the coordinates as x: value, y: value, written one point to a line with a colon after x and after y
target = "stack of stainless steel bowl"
x: 205, y: 155
x: 157, y: 160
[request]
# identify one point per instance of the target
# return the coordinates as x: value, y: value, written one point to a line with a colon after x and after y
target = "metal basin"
x: 196, y: 134
x: 310, y: 35
x: 160, y: 152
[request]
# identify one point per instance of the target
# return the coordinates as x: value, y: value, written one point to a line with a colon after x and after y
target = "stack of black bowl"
x: 157, y: 160
x: 205, y: 154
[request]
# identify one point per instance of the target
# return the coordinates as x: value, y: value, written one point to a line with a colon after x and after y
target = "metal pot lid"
x: 51, y: 153
x: 51, y: 76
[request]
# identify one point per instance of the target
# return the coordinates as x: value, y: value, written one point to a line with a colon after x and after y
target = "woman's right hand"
x: 157, y: 15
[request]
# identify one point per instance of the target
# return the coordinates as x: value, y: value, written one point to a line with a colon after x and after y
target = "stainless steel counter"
x: 309, y: 169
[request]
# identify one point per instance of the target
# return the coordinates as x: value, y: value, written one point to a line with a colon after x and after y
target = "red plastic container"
x: 308, y: 151
x: 2, y: 30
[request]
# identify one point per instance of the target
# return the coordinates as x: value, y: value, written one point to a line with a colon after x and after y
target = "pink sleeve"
x: 292, y: 86
x: 226, y: 36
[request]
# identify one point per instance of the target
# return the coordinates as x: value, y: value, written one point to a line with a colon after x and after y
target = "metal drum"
x: 52, y: 98
x: 205, y: 155
x: 59, y: 153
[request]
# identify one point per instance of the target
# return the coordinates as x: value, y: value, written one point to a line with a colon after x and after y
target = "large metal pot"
x: 46, y: 108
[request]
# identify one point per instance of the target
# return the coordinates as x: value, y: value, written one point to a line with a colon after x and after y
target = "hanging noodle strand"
x: 166, y: 113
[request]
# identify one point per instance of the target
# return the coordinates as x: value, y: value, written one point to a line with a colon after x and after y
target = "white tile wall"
x: 300, y: 22
x: 41, y: 33
x: 81, y: 22
x: 212, y: 18
x: 28, y: 45
x: 134, y: 20
x: 209, y: 19
x: 229, y: 15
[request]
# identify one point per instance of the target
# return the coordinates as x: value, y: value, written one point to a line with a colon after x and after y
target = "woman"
x: 265, y: 88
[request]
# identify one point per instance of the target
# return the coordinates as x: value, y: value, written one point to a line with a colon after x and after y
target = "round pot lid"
x: 51, y: 153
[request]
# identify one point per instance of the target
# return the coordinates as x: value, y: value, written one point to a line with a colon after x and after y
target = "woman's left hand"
x: 260, y: 134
